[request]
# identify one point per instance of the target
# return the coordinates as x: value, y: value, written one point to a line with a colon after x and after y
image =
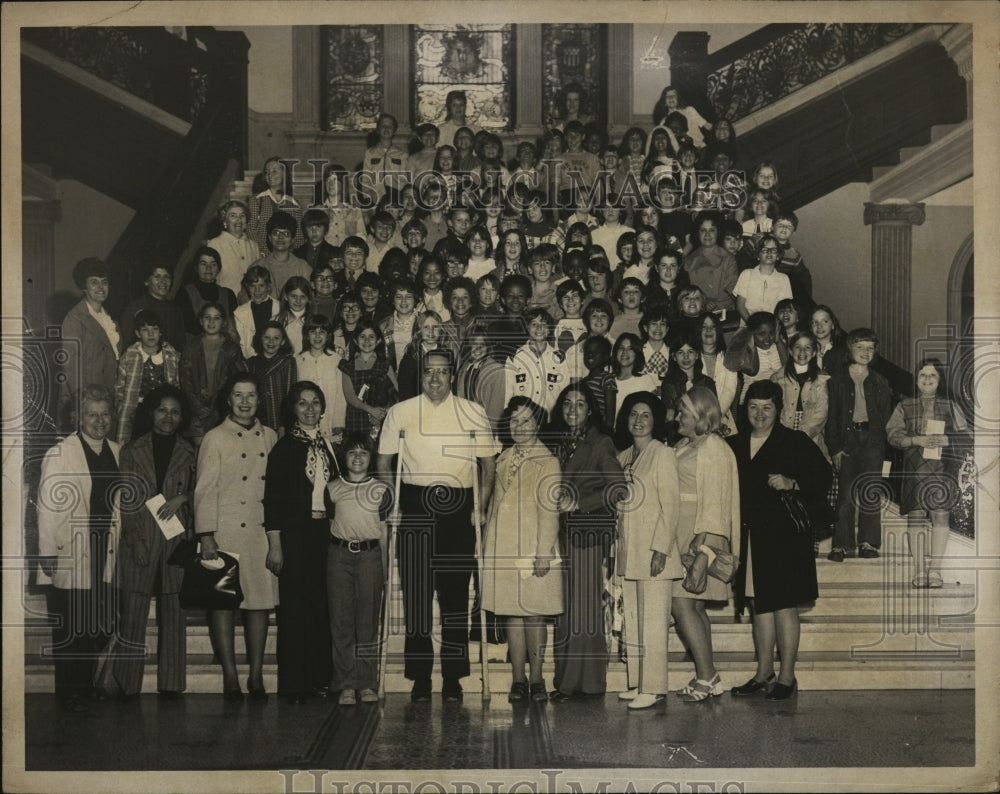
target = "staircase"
x: 869, y: 629
x: 828, y: 104
x: 157, y: 122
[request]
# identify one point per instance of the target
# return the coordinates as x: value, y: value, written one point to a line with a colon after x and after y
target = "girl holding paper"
x: 924, y: 427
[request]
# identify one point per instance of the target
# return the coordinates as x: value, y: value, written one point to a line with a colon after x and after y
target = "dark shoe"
x: 421, y: 692
x: 170, y: 694
x: 232, y: 695
x: 74, y: 705
x: 322, y: 692
x: 451, y: 691
x: 518, y: 692
x: 256, y: 692
x: 782, y: 691
x: 538, y: 693
x: 868, y: 552
x: 835, y: 555
x: 751, y: 687
x: 561, y: 697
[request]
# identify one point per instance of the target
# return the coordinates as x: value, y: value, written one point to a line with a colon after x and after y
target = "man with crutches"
x: 445, y: 443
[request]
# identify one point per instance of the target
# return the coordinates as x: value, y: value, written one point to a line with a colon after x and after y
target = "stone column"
x: 892, y: 258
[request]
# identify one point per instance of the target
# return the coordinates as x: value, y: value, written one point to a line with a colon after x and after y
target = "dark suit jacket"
x: 142, y: 549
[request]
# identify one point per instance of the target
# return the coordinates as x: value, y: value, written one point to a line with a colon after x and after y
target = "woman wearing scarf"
x: 298, y: 469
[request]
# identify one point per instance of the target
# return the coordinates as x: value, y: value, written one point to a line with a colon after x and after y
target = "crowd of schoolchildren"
x: 656, y: 263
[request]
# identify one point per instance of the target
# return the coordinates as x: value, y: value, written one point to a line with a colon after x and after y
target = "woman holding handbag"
x: 709, y: 516
x: 229, y: 514
x: 783, y: 476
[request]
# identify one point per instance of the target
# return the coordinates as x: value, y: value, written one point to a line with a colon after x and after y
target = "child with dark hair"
x: 542, y: 263
x: 685, y: 369
x: 319, y: 362
x: 570, y: 329
x: 599, y: 380
x: 790, y: 261
x: 355, y: 570
x: 315, y: 226
x: 654, y: 327
x: 537, y: 370
x: 147, y: 363
x: 631, y: 299
x: 274, y: 366
x: 369, y: 380
x: 860, y: 407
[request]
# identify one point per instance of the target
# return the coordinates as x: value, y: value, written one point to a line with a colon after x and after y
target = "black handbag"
x: 211, y: 588
x: 797, y: 512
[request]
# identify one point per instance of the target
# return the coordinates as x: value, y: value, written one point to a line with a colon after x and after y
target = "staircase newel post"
x: 688, y: 68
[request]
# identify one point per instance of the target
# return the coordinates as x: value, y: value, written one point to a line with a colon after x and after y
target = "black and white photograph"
x: 469, y: 397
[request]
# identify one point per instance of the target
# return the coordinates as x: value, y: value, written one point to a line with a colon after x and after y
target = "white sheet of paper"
x: 170, y: 528
x: 933, y: 427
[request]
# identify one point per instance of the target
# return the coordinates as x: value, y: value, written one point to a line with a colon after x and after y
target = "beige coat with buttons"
x: 228, y: 500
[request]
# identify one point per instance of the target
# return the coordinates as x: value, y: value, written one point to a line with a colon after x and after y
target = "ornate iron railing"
x: 739, y: 82
x: 149, y: 62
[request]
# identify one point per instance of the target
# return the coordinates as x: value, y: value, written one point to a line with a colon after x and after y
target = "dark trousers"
x: 83, y: 624
x: 355, y: 581
x: 437, y: 547
x: 304, y: 653
x: 860, y: 471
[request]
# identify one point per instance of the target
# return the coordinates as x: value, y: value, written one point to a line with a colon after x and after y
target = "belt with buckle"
x: 859, y: 426
x: 355, y: 546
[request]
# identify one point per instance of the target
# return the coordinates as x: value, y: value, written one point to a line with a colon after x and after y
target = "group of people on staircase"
x: 623, y: 443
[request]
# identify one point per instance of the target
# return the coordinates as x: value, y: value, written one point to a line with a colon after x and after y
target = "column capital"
x: 894, y: 214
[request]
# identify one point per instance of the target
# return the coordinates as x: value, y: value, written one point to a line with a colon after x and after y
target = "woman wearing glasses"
x: 760, y: 288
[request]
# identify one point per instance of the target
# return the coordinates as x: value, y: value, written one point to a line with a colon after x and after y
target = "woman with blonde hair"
x: 709, y: 516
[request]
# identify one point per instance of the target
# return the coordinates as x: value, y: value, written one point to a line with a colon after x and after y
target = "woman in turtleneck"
x: 298, y: 470
x: 202, y: 287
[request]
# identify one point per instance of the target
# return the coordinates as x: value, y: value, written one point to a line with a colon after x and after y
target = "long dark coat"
x: 783, y: 561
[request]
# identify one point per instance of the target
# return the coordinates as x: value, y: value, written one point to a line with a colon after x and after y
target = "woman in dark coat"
x: 298, y: 470
x: 777, y: 566
x: 162, y: 462
x: 592, y: 484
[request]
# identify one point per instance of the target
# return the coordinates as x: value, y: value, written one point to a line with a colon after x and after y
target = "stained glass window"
x: 476, y: 59
x: 353, y: 77
x: 573, y: 54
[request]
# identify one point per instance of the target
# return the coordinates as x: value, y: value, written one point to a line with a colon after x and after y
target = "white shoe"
x: 645, y: 701
x: 347, y: 698
x: 629, y: 694
x: 369, y: 696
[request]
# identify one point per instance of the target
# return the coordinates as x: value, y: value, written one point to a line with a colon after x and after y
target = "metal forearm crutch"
x: 387, y: 591
x: 480, y: 561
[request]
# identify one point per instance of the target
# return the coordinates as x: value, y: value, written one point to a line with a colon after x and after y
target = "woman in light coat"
x: 709, y: 503
x: 229, y: 515
x: 77, y: 538
x: 647, y: 557
x: 522, y: 578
